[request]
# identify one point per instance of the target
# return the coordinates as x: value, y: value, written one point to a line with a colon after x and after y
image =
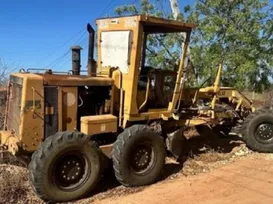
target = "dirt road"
x: 248, y: 180
x: 214, y: 171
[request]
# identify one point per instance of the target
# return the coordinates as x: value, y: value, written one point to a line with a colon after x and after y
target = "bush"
x: 268, y: 102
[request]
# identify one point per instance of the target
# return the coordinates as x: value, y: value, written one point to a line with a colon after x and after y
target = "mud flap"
x: 175, y: 142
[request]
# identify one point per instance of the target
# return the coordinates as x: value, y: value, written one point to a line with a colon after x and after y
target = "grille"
x: 14, y: 107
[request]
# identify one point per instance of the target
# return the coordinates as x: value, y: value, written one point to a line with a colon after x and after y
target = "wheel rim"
x: 143, y: 158
x: 264, y: 132
x: 71, y: 171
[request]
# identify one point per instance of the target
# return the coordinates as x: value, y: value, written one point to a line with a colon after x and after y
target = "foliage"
x: 4, y: 71
x: 233, y: 32
x: 162, y: 49
x: 236, y: 32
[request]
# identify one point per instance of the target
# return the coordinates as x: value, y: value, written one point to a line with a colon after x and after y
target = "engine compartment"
x: 93, y: 100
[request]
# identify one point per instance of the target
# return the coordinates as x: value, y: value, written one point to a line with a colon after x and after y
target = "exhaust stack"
x: 76, y: 59
x: 92, y: 69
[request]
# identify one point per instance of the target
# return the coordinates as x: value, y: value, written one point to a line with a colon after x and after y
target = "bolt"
x: 77, y: 164
x: 68, y: 162
x: 64, y: 176
x: 64, y: 166
x: 73, y: 177
x: 77, y: 173
x: 68, y: 178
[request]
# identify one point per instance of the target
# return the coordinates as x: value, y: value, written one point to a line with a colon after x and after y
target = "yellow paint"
x: 31, y: 130
x: 69, y: 104
x: 49, y: 110
x: 135, y: 25
x: 127, y: 104
x: 91, y: 125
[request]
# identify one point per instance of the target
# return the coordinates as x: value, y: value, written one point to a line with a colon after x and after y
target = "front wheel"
x: 66, y: 167
x: 257, y: 130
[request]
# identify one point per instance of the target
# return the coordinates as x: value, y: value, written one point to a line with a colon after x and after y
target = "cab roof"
x: 158, y: 25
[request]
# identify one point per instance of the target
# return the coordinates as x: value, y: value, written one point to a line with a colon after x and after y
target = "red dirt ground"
x: 248, y: 180
x: 213, y: 171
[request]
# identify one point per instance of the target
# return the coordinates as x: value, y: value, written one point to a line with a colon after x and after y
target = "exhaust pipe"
x: 76, y: 59
x: 92, y: 69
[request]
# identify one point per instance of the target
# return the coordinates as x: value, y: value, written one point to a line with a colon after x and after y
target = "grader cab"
x: 124, y: 109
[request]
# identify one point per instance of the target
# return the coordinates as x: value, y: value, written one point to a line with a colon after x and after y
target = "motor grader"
x: 123, y: 110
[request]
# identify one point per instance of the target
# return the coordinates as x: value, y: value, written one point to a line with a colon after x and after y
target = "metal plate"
x: 14, y: 107
x: 115, y: 49
x: 51, y: 120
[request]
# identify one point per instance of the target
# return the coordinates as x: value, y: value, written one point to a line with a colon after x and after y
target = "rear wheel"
x: 66, y: 167
x: 257, y: 130
x: 138, y: 156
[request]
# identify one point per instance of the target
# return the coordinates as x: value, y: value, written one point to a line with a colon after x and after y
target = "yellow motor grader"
x: 122, y: 109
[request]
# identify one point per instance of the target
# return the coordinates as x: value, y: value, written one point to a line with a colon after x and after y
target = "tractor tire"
x: 257, y: 130
x: 138, y: 156
x: 66, y: 166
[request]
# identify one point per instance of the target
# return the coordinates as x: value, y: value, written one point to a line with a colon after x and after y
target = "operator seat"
x: 156, y: 99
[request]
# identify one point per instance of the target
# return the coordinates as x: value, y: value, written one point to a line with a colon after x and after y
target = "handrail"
x: 121, y: 98
x: 36, y: 69
x: 29, y: 70
x: 22, y: 70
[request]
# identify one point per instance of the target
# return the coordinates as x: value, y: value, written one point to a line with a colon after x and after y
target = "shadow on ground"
x: 205, y: 148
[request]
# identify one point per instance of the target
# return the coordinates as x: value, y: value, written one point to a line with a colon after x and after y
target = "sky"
x: 39, y: 33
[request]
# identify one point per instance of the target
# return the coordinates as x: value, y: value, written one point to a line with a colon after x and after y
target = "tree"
x: 5, y: 69
x: 162, y: 49
x: 236, y: 33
